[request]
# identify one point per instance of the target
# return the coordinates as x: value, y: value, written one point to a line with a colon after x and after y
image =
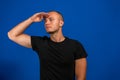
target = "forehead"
x: 53, y: 14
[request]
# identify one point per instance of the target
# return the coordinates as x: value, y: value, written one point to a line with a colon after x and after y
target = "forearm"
x: 17, y: 33
x: 20, y: 28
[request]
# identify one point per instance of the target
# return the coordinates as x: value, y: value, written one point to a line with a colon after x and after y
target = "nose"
x: 47, y: 22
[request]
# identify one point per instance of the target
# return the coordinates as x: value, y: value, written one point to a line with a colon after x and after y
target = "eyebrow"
x: 48, y: 18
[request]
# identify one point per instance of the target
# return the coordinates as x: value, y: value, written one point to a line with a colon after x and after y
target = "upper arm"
x: 80, y: 68
x: 23, y: 40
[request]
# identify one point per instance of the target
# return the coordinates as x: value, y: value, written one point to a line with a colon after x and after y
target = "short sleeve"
x: 80, y: 51
x: 35, y: 42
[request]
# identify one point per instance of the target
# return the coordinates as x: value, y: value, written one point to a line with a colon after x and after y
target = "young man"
x: 61, y: 58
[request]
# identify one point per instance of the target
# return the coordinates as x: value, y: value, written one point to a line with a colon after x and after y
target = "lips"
x: 48, y: 26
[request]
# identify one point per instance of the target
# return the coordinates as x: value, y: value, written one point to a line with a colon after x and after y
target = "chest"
x: 57, y: 54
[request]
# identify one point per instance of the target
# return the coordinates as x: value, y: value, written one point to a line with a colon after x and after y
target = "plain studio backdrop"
x: 95, y: 23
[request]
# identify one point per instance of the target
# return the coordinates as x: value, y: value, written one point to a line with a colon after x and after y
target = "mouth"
x: 47, y: 27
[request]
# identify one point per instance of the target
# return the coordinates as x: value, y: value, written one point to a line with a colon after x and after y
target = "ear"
x: 61, y: 23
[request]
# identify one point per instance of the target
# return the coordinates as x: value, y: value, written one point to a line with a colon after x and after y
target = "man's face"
x: 53, y: 22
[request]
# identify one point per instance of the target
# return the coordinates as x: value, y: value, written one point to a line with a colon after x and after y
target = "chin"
x: 51, y: 32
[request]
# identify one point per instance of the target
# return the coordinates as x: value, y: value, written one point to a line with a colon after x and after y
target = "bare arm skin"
x: 17, y: 33
x: 80, y: 69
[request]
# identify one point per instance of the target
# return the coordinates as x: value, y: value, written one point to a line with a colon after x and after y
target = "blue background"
x: 95, y: 23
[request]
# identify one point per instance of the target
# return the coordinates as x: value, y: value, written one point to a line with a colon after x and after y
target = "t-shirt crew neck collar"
x: 59, y: 42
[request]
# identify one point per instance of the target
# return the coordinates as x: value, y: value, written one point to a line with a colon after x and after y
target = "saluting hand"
x: 38, y: 16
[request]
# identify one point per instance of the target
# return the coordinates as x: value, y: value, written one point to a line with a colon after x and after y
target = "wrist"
x: 30, y: 20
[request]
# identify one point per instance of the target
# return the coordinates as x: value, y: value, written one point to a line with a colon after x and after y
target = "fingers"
x: 45, y: 15
x: 39, y: 16
x: 42, y: 14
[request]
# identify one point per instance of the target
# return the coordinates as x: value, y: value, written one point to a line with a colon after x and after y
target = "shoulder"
x: 38, y: 41
x: 80, y: 51
x: 75, y: 44
x: 74, y: 41
x: 39, y: 38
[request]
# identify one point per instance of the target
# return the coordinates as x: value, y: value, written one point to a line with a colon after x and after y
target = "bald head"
x: 53, y: 22
x: 57, y: 13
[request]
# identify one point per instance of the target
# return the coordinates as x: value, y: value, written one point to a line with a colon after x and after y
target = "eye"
x: 51, y: 19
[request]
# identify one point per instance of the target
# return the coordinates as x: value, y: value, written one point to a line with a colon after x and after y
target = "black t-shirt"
x: 57, y: 59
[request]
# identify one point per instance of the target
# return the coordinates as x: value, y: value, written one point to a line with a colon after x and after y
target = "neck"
x: 57, y: 37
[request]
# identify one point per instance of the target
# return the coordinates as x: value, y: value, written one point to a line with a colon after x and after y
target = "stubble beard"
x: 52, y: 32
